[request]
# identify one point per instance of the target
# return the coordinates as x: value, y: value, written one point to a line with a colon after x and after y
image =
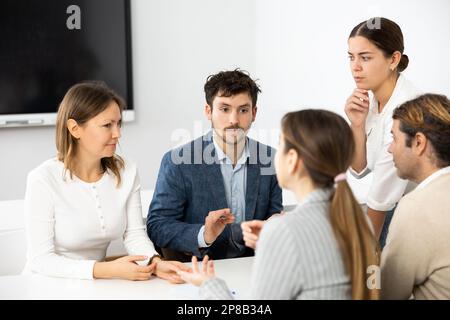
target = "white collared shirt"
x: 70, y: 223
x: 433, y: 176
x: 386, y: 188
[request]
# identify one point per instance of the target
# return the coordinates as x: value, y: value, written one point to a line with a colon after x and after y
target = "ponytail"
x: 358, y: 245
x: 325, y: 143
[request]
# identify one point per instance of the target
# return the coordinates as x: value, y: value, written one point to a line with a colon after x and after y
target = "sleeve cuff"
x: 201, y: 239
x: 359, y: 175
x: 86, y: 270
x: 375, y: 205
x: 215, y: 289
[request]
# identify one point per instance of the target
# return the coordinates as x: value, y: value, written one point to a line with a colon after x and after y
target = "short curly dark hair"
x: 230, y: 83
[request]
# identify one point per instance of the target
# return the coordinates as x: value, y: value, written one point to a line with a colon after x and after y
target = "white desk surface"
x: 236, y: 272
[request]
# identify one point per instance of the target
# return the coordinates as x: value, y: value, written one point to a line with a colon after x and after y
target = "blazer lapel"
x: 251, y: 194
x: 215, y: 182
x: 214, y: 177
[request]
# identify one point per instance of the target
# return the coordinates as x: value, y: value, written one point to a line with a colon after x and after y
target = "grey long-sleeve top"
x: 297, y: 257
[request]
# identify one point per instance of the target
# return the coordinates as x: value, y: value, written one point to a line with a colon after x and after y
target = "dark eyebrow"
x: 361, y: 53
x: 230, y: 106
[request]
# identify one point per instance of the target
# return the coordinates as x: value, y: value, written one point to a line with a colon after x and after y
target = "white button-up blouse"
x: 70, y: 223
x: 386, y: 188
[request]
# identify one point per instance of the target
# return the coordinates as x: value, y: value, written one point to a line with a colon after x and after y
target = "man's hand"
x: 215, y: 223
x: 252, y: 229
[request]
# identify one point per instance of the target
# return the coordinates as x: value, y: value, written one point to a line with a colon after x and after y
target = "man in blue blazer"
x: 206, y: 188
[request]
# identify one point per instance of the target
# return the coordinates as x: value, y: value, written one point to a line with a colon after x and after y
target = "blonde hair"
x: 324, y: 142
x: 81, y: 103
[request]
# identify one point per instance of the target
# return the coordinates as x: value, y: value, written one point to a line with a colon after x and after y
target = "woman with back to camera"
x: 324, y: 247
x: 375, y: 49
x: 78, y: 202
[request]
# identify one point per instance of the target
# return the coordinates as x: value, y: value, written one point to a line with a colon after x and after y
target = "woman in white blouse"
x: 375, y: 49
x: 78, y: 202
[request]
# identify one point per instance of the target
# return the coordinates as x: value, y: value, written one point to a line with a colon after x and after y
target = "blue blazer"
x: 190, y: 185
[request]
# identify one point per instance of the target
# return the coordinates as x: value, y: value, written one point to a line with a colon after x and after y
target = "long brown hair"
x: 324, y: 141
x: 386, y: 35
x: 81, y: 103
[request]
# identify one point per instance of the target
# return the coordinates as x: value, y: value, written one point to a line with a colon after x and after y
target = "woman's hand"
x: 123, y: 268
x: 167, y: 270
x: 196, y: 276
x: 357, y: 107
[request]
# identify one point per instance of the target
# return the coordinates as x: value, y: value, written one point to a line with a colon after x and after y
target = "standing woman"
x: 78, y: 202
x: 323, y: 248
x: 375, y: 49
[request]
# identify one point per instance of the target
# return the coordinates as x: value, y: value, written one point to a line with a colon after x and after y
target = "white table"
x: 12, y: 232
x: 236, y: 272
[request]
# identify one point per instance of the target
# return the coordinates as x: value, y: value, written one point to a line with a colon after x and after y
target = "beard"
x: 406, y: 171
x: 232, y: 135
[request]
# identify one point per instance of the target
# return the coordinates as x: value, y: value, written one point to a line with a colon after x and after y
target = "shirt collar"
x: 318, y: 195
x: 432, y: 177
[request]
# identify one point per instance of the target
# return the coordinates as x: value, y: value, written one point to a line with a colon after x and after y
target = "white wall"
x: 301, y: 49
x: 298, y: 50
x: 176, y: 45
x: 301, y: 53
